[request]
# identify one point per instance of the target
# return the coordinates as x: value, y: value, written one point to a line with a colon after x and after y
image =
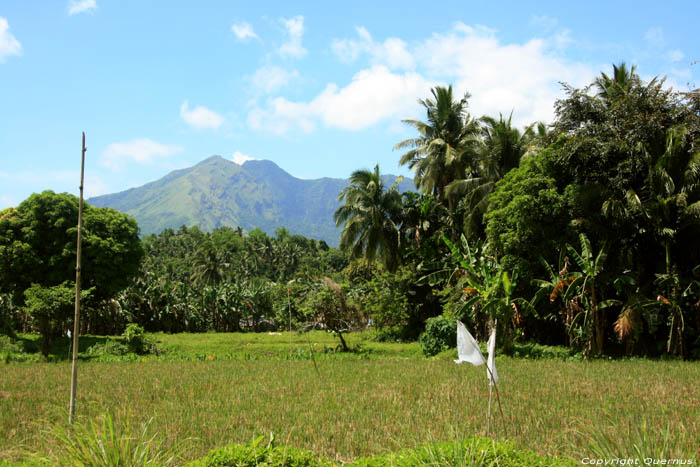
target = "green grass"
x: 376, y: 401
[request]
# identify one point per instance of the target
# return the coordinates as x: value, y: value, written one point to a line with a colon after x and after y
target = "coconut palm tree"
x: 444, y: 149
x: 369, y: 218
x: 501, y: 150
x: 611, y: 88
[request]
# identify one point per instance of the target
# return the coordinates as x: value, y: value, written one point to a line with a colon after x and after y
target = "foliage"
x: 328, y: 309
x: 257, y: 453
x: 442, y: 151
x: 528, y: 219
x: 369, y: 218
x: 474, y: 451
x: 50, y: 308
x: 109, y: 443
x: 388, y: 300
x: 440, y: 334
x: 137, y: 341
x: 641, y: 440
x: 483, y: 452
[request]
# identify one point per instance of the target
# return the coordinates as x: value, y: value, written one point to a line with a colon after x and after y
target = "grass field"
x: 220, y: 388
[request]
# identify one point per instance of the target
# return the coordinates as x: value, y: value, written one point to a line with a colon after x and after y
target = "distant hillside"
x: 218, y: 192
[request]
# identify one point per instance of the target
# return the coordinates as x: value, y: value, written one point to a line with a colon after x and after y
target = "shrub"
x: 110, y: 347
x: 137, y: 340
x: 440, y: 334
x: 258, y: 453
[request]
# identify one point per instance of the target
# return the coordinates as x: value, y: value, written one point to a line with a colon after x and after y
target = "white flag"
x: 467, y: 348
x: 491, y: 365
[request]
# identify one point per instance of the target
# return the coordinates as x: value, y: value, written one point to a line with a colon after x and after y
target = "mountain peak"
x: 218, y: 191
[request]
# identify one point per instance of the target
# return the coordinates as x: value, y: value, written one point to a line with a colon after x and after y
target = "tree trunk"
x: 45, y: 331
x: 342, y: 341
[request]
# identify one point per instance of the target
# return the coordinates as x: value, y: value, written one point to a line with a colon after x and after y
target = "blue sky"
x: 320, y: 88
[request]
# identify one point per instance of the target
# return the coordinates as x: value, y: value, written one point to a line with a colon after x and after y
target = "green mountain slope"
x: 218, y: 192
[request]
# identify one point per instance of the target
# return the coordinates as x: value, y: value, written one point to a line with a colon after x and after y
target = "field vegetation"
x: 214, y: 389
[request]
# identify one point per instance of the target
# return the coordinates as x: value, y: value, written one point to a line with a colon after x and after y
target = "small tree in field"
x: 330, y: 311
x: 49, y: 308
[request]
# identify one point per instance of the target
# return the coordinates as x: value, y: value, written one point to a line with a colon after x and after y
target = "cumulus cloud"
x: 200, y: 117
x: 272, y: 78
x: 523, y: 77
x: 243, y: 31
x: 81, y: 6
x: 372, y: 95
x: 9, y: 45
x: 240, y: 158
x: 295, y: 30
x: 392, y: 52
x: 141, y: 151
x: 520, y: 77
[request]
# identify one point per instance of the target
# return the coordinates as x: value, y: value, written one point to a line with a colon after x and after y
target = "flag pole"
x: 76, y: 317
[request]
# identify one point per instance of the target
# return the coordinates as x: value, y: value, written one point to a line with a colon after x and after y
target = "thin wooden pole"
x: 76, y: 317
x: 488, y: 427
x: 498, y: 399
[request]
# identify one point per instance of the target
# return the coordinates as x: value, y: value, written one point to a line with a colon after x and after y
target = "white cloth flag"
x: 491, y: 365
x: 467, y: 348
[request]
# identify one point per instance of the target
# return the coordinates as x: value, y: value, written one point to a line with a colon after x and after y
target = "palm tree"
x: 667, y: 204
x: 611, y: 88
x: 441, y: 153
x: 208, y: 265
x: 369, y: 218
x: 501, y: 150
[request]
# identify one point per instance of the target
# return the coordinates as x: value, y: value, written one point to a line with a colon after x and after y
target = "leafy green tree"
x: 38, y: 244
x: 329, y: 310
x: 49, y: 308
x: 529, y: 218
x: 368, y: 216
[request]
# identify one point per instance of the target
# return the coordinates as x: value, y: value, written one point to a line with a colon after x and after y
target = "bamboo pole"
x: 76, y: 317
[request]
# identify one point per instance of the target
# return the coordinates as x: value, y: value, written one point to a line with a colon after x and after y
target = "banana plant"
x: 487, y: 289
x: 583, y: 287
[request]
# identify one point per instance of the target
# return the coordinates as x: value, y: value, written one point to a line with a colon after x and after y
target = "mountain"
x: 218, y: 192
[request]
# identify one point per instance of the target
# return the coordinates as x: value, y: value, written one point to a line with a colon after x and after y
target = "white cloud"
x: 295, y: 30
x: 81, y: 6
x: 520, y: 77
x: 200, y: 117
x: 142, y: 151
x: 392, y: 52
x: 271, y: 78
x: 243, y: 31
x: 9, y: 45
x: 676, y: 55
x: 501, y: 77
x: 240, y: 158
x: 372, y: 95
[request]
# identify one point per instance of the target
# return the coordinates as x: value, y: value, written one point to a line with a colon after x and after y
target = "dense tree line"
x: 583, y: 232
